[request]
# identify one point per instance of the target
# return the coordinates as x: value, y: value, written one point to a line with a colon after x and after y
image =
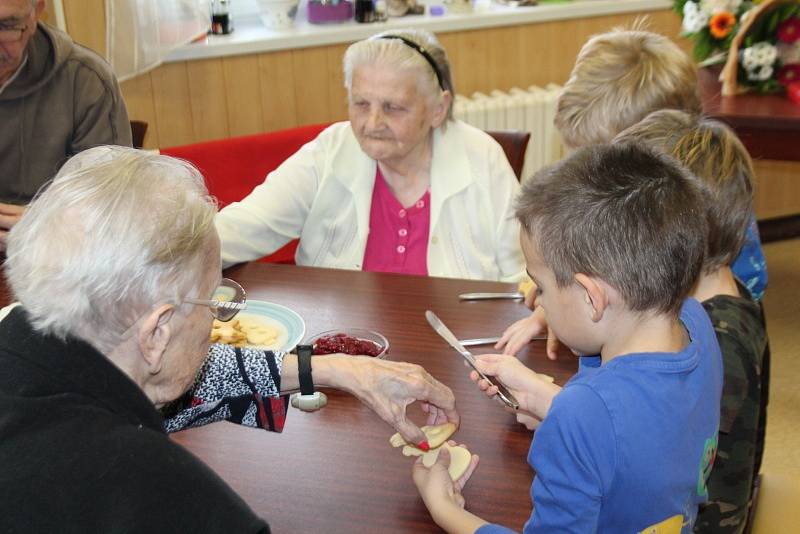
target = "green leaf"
x: 772, y: 25
x: 678, y: 6
x: 704, y: 45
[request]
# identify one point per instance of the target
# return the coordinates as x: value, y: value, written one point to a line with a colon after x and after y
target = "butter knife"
x: 516, y: 295
x: 503, y: 393
x: 474, y: 342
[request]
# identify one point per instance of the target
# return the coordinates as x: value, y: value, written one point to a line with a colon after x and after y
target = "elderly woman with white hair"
x: 115, y: 266
x: 401, y: 187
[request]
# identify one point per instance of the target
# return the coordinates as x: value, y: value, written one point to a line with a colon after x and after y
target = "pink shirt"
x: 398, y: 236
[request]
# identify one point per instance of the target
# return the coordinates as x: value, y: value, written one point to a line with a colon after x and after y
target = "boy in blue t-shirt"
x: 614, y: 237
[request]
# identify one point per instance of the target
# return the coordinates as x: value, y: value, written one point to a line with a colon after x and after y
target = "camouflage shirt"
x: 741, y: 332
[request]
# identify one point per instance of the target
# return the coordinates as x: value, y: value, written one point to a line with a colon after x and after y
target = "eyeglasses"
x: 227, y: 300
x: 12, y: 35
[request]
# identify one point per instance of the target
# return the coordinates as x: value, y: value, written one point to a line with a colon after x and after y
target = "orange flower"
x: 722, y: 24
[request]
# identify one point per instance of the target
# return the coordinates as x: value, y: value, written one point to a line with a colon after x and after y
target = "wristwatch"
x: 307, y: 400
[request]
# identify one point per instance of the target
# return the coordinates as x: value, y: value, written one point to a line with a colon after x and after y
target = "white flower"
x: 759, y: 74
x: 789, y: 53
x: 712, y: 7
x: 694, y: 20
x: 761, y: 54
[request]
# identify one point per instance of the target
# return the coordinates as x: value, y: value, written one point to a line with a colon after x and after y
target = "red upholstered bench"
x: 233, y: 167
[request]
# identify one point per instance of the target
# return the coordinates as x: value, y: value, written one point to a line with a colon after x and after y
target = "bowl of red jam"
x: 353, y: 341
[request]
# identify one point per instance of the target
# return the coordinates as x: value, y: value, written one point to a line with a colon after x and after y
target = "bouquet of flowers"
x: 768, y: 51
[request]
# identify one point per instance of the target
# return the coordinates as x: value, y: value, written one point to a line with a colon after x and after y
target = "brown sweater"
x: 64, y: 100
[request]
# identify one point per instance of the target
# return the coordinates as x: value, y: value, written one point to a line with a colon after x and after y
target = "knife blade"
x: 516, y: 295
x: 502, y: 392
x: 473, y: 342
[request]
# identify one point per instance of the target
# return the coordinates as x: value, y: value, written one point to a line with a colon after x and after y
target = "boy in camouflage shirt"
x: 713, y: 153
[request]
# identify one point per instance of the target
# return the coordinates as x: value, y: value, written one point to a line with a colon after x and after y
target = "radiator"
x: 530, y: 110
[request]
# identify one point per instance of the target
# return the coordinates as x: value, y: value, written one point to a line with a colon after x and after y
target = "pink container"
x: 319, y: 13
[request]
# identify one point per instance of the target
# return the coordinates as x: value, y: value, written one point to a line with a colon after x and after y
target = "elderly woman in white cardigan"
x: 401, y: 187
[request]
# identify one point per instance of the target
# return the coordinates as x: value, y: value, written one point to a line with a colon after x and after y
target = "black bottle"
x: 365, y: 11
x: 221, y: 23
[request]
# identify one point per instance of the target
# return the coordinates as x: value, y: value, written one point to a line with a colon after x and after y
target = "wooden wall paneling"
x: 172, y: 104
x: 207, y: 99
x: 337, y: 94
x: 473, y: 62
x: 544, y: 54
x: 138, y: 95
x: 243, y: 95
x: 278, y: 102
x: 449, y: 42
x: 311, y: 88
x: 777, y: 188
x: 86, y: 23
x: 49, y: 14
x: 504, y: 55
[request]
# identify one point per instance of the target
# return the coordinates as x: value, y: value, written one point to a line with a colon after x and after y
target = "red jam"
x: 346, y: 345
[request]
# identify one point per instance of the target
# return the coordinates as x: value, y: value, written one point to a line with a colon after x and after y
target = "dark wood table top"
x: 769, y: 125
x: 334, y: 470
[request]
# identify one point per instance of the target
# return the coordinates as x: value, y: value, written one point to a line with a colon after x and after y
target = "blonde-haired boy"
x: 618, y: 79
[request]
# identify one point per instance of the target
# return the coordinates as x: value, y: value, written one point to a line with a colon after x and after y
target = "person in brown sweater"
x: 57, y: 98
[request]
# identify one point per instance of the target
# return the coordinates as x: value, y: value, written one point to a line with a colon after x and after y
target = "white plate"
x: 292, y: 326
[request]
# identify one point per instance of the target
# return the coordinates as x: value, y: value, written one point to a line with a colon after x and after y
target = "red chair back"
x: 233, y: 167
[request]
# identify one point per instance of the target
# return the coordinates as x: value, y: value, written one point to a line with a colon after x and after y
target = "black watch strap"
x: 304, y: 353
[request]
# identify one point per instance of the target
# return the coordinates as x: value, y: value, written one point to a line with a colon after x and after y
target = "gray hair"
x: 395, y: 53
x: 117, y: 231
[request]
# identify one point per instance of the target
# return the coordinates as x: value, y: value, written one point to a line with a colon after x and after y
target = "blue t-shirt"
x: 628, y: 446
x: 750, y: 266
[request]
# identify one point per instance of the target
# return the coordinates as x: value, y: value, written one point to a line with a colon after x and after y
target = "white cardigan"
x: 323, y: 195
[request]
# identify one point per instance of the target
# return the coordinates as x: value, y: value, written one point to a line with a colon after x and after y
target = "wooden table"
x: 334, y: 470
x: 768, y: 125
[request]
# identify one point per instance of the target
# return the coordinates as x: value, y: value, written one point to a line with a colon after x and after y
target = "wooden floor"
x: 778, y: 503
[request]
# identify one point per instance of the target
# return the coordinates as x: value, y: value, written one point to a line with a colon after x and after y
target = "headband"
x: 424, y: 53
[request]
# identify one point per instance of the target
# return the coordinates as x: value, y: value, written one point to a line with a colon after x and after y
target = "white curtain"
x: 141, y: 33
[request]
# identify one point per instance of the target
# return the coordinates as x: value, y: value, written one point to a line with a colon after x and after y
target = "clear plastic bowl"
x: 359, y: 333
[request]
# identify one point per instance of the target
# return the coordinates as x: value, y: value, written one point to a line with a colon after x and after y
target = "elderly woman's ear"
x: 441, y: 109
x: 154, y: 335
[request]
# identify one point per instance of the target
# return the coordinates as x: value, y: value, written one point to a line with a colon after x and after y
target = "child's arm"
x: 523, y: 331
x: 533, y: 393
x: 443, y: 497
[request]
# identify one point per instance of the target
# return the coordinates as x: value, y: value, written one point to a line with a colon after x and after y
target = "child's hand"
x: 436, y: 488
x: 533, y: 393
x: 523, y: 331
x: 530, y: 422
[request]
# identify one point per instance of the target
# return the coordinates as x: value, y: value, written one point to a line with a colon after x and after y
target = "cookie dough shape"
x: 435, y: 434
x: 459, y: 458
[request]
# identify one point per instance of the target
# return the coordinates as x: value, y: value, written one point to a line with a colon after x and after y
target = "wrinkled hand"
x: 533, y: 393
x: 434, y: 484
x: 10, y: 214
x: 389, y: 387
